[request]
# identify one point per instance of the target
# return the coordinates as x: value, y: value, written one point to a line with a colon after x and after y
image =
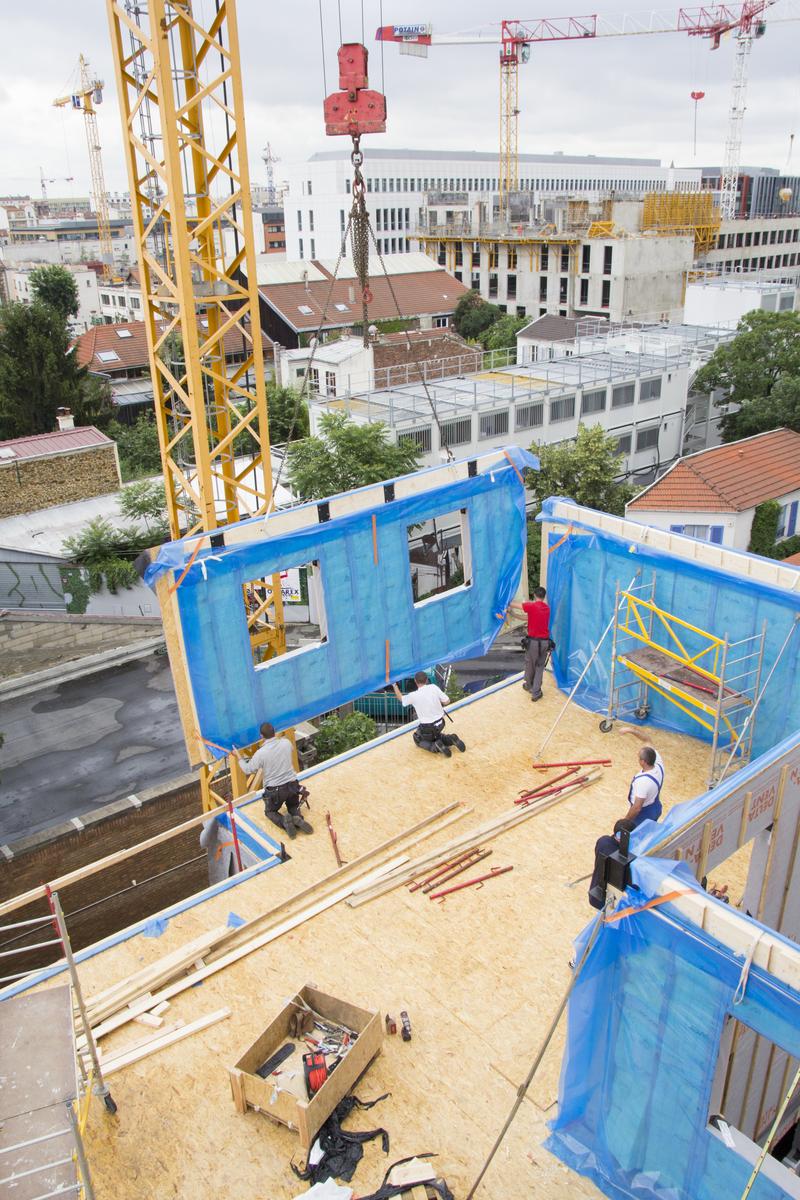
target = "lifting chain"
x: 360, y: 233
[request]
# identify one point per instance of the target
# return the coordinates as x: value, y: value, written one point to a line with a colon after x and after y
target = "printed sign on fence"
x: 290, y: 586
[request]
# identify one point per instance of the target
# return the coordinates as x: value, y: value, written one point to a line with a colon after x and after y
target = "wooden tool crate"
x: 283, y: 1097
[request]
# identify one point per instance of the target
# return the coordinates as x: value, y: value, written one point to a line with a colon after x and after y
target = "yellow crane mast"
x: 85, y: 100
x: 180, y: 91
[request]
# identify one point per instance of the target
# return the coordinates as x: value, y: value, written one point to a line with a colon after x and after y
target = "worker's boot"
x: 288, y: 824
x: 302, y: 825
x: 441, y: 748
x: 457, y: 742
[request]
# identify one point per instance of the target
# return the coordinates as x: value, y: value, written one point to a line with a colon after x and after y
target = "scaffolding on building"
x: 711, y: 679
x: 693, y: 214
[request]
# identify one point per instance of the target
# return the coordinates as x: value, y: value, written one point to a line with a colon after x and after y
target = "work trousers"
x: 434, y: 732
x: 284, y: 793
x: 535, y: 663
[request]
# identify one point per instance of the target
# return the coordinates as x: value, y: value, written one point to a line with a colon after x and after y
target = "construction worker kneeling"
x: 428, y: 701
x: 281, y: 785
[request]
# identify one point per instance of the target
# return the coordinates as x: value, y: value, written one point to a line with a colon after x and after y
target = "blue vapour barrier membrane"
x: 644, y: 1025
x: 584, y: 569
x: 367, y: 604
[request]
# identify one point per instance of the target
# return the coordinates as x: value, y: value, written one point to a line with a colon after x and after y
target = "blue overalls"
x: 653, y: 810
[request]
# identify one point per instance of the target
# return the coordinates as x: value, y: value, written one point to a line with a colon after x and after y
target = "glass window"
x: 593, y: 402
x: 623, y: 395
x: 529, y: 416
x: 457, y: 432
x: 562, y: 409
x: 493, y: 424
x: 605, y: 296
x: 647, y: 439
x: 608, y: 256
x: 586, y: 259
x: 650, y: 389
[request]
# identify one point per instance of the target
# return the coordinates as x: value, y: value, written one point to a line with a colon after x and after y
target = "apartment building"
x: 768, y: 245
x: 122, y: 301
x: 16, y: 286
x: 759, y: 191
x: 319, y: 198
x: 719, y: 299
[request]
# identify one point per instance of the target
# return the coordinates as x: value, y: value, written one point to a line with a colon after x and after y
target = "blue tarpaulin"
x: 643, y: 1037
x: 369, y: 606
x: 585, y: 566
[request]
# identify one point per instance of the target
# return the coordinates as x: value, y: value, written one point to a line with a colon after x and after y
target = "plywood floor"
x: 480, y: 975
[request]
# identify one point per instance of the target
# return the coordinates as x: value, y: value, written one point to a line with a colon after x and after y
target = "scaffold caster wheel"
x: 642, y: 712
x: 110, y: 1103
x: 606, y: 726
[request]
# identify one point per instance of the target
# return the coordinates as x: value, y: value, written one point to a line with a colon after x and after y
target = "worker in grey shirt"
x: 281, y: 785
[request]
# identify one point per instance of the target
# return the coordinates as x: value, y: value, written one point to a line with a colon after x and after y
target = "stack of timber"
x: 148, y: 990
x: 406, y: 872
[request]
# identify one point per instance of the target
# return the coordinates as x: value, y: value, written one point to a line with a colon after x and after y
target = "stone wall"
x: 33, y: 641
x: 35, y: 483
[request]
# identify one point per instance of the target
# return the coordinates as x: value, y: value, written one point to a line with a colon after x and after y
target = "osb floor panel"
x: 480, y: 974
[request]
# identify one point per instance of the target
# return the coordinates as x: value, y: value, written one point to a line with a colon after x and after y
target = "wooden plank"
x: 174, y: 989
x: 148, y: 1019
x: 481, y: 833
x: 160, y: 1043
x: 176, y: 649
x: 705, y: 842
x: 237, y: 1090
x: 748, y: 800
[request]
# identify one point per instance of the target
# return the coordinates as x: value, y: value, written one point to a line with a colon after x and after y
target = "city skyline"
x: 449, y: 100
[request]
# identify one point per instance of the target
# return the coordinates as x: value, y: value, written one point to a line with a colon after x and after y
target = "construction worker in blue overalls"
x: 644, y: 794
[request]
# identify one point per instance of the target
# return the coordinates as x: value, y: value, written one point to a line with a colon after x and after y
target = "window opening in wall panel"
x: 421, y: 438
x: 303, y: 599
x: 493, y: 424
x: 457, y: 431
x: 529, y: 416
x: 751, y: 1079
x: 439, y: 555
x: 593, y: 402
x: 624, y: 442
x: 562, y: 409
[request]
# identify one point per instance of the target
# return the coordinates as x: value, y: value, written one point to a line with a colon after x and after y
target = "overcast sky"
x: 626, y: 95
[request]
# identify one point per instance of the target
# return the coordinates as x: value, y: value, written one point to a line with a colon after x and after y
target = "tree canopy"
x: 586, y: 470
x: 56, y: 286
x: 759, y: 370
x: 345, y: 455
x: 288, y: 414
x: 38, y: 371
x: 502, y: 334
x: 473, y: 315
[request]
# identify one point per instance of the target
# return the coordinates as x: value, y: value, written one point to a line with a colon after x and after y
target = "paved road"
x: 81, y: 744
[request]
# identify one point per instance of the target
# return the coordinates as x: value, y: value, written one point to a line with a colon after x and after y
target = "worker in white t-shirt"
x: 644, y: 794
x: 427, y: 701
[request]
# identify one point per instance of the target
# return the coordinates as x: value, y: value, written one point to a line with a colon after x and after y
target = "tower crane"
x: 85, y: 100
x: 516, y: 38
x: 179, y: 82
x: 44, y: 180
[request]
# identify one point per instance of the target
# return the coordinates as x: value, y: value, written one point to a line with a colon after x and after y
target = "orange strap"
x: 220, y: 847
x: 186, y: 569
x: 632, y: 911
x: 514, y: 468
x: 216, y: 746
x: 560, y: 541
x: 375, y: 539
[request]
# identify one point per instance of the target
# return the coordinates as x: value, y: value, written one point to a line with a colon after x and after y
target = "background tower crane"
x: 85, y: 100
x: 44, y: 180
x: 516, y: 38
x: 179, y: 83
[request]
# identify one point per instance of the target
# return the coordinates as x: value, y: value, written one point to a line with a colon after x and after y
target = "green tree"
x: 586, y: 470
x: 38, y: 371
x: 139, y: 452
x: 346, y: 455
x: 337, y: 734
x: 56, y: 287
x: 764, y: 529
x: 502, y: 334
x: 146, y: 501
x: 759, y: 370
x: 288, y: 415
x: 473, y: 315
x: 94, y: 405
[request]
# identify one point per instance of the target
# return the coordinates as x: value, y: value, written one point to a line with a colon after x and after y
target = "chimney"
x: 65, y: 419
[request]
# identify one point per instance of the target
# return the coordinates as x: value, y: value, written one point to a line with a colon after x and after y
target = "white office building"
x: 398, y: 182
x: 17, y: 287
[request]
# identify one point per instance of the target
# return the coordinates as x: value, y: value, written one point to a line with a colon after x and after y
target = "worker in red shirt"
x: 539, y: 645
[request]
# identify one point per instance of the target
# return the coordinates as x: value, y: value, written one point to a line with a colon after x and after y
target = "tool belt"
x: 526, y: 640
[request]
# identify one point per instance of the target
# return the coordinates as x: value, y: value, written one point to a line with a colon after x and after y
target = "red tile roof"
x: 41, y: 445
x: 793, y: 560
x: 419, y: 293
x: 131, y: 351
x: 728, y: 478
